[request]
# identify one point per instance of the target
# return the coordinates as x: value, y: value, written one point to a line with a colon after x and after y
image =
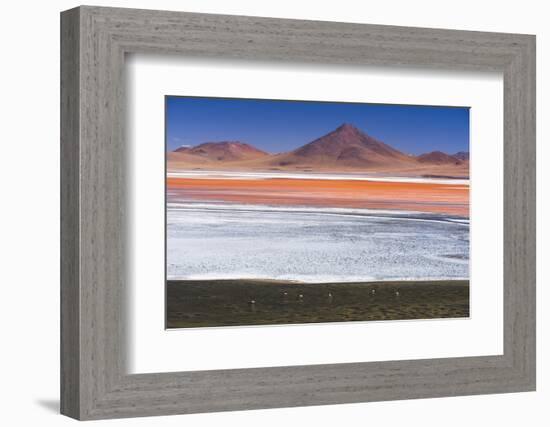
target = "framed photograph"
x: 262, y: 213
x: 295, y: 228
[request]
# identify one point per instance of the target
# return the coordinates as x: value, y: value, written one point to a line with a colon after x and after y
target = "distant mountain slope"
x: 438, y: 158
x: 462, y: 155
x: 180, y: 156
x: 222, y: 151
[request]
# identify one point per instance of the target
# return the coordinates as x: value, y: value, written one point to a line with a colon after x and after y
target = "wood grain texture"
x: 70, y: 314
x: 94, y: 381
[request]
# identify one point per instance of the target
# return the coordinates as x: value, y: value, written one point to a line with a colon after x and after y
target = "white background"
x: 153, y: 349
x: 29, y: 222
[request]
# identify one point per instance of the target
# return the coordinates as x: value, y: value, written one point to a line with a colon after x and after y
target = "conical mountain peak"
x: 347, y: 127
x: 347, y: 145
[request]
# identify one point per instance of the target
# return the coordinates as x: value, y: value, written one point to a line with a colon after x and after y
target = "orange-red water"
x: 423, y: 197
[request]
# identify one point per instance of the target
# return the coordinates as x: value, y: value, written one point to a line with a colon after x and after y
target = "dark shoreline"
x: 210, y: 303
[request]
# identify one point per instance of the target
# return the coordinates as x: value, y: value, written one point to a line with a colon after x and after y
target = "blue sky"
x: 277, y: 126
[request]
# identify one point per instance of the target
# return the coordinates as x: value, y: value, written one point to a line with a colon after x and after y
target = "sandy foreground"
x: 427, y: 196
x: 252, y: 302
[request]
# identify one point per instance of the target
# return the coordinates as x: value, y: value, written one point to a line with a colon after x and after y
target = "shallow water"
x: 231, y: 241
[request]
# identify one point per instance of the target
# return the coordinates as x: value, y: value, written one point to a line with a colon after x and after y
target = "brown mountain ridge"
x: 439, y: 158
x: 344, y: 149
x: 223, y: 151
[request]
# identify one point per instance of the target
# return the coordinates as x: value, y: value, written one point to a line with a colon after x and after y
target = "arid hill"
x: 462, y: 155
x: 439, y: 158
x: 223, y: 151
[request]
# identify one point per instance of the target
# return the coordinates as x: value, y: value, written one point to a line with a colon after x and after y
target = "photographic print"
x: 292, y: 212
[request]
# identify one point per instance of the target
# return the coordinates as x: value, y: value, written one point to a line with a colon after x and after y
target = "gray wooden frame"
x: 94, y: 382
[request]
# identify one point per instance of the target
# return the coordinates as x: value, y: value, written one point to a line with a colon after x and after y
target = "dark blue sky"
x: 276, y: 126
